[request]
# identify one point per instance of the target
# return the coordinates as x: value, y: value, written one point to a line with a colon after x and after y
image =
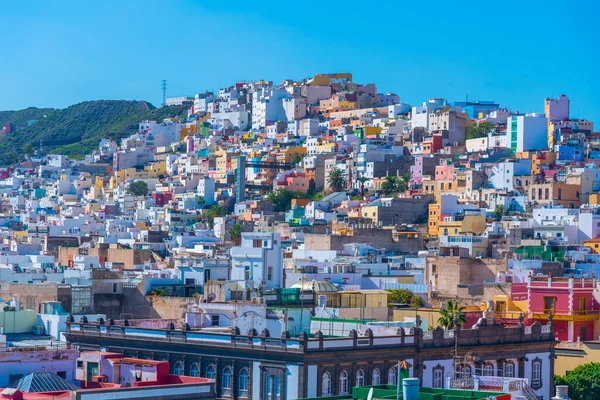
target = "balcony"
x: 564, y: 315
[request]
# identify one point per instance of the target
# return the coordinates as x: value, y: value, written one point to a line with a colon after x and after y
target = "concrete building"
x: 527, y: 132
x: 257, y: 261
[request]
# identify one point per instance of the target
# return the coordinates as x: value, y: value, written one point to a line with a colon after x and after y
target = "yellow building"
x: 434, y: 218
x: 570, y: 355
x: 372, y: 130
x: 156, y: 169
x: 593, y: 244
x: 290, y: 154
x: 123, y: 175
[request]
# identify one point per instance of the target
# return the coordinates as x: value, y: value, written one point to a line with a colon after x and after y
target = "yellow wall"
x: 156, y: 169
x: 372, y: 130
x: 434, y: 219
x: 578, y: 353
x: 130, y: 173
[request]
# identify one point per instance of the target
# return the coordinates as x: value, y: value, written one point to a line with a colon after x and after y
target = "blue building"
x: 474, y: 108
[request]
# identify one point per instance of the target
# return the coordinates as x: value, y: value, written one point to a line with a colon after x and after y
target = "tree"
x: 200, y: 201
x: 138, y: 188
x: 28, y: 149
x: 452, y: 310
x: 478, y: 129
x: 235, y: 233
x: 583, y: 381
x: 213, y: 212
x: 362, y: 180
x: 404, y: 181
x: 336, y: 180
x: 498, y: 212
x: 282, y: 198
x: 404, y: 296
x: 390, y: 185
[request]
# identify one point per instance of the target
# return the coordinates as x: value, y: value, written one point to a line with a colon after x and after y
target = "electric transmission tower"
x: 164, y: 90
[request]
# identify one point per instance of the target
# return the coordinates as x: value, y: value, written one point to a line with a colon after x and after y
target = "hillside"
x: 76, y: 130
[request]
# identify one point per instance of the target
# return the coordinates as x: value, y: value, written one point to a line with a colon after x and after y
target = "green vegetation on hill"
x: 76, y: 130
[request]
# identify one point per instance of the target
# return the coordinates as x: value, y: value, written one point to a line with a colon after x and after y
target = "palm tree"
x: 404, y: 181
x: 336, y: 180
x: 362, y: 180
x: 235, y: 233
x: 390, y: 184
x: 453, y: 310
x: 213, y: 212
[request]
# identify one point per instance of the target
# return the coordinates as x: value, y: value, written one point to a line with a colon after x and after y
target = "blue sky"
x: 57, y: 53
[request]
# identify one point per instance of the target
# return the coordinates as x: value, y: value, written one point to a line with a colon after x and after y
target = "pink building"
x: 557, y: 109
x: 570, y: 300
x: 444, y: 171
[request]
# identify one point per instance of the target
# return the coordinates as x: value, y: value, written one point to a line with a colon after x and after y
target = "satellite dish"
x: 370, y: 395
x: 211, y: 297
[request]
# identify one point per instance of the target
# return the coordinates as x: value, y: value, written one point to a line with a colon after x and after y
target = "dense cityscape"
x: 304, y: 239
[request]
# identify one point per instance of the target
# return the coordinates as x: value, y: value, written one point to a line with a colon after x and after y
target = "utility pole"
x: 164, y: 90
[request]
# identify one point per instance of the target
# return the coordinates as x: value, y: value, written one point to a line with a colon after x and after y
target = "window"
x: 344, y: 387
x: 257, y: 243
x: 549, y: 304
x: 277, y: 387
x: 392, y: 376
x: 226, y: 381
x: 509, y: 370
x: 376, y: 379
x: 536, y: 374
x: 270, y: 273
x: 488, y: 370
x: 79, y: 364
x: 210, y: 372
x: 215, y: 320
x: 466, y: 372
x: 194, y: 370
x: 360, y: 378
x: 114, y: 288
x: 243, y: 384
x: 438, y: 381
x: 178, y: 370
x: 326, y: 384
x: 268, y: 386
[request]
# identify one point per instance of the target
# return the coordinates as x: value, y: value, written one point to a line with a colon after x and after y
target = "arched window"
x: 194, y: 370
x: 466, y: 372
x: 488, y: 370
x: 326, y: 384
x: 360, y: 378
x: 243, y: 384
x: 392, y: 376
x: 437, y: 376
x: 509, y: 370
x: 376, y: 377
x: 178, y: 370
x: 536, y: 374
x: 344, y: 387
x: 226, y: 380
x: 210, y: 372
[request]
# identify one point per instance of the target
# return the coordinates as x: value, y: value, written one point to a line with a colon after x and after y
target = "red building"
x: 570, y: 300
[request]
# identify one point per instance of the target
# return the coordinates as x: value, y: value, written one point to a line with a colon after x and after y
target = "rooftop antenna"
x: 164, y: 90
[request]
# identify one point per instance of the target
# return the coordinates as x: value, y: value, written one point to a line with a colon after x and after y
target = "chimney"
x: 562, y: 393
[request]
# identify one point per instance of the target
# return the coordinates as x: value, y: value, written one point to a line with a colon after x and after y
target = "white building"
x: 258, y: 260
x: 267, y: 106
x: 528, y: 132
x: 206, y: 189
x: 233, y: 119
x: 179, y: 100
